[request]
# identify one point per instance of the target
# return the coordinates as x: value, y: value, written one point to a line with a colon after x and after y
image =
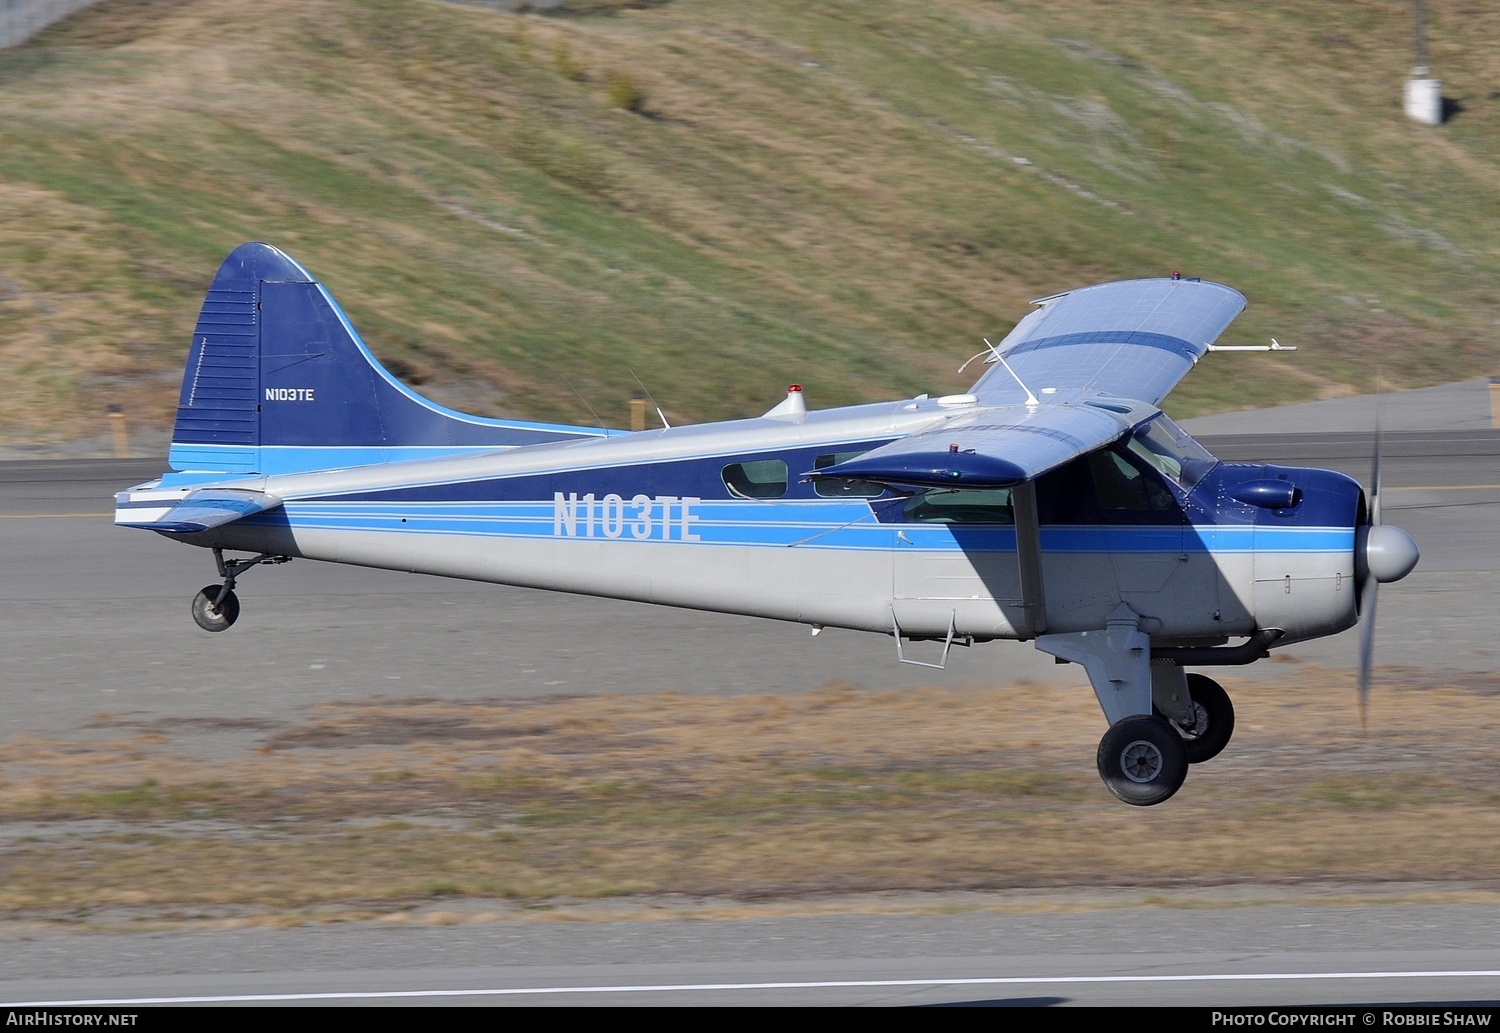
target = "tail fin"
x: 278, y: 381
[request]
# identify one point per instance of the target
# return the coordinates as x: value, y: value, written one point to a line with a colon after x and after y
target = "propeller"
x: 1382, y: 553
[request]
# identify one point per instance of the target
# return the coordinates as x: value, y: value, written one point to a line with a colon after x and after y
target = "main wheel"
x: 1213, y: 720
x: 215, y: 618
x: 1142, y: 760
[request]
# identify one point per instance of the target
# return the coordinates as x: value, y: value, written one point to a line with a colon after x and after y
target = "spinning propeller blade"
x: 1382, y: 553
x: 1367, y: 598
x: 1369, y: 586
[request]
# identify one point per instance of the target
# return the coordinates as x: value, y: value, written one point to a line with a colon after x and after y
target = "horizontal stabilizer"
x: 197, y: 511
x: 991, y: 448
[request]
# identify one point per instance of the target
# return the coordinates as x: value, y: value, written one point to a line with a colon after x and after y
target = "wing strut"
x: 1029, y: 556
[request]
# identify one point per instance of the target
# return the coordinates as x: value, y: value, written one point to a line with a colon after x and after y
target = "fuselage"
x: 723, y: 517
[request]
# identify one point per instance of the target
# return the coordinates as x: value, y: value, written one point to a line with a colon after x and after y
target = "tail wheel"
x: 1213, y: 722
x: 212, y: 613
x: 1142, y: 760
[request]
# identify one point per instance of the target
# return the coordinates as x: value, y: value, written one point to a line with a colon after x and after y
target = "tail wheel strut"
x: 216, y: 607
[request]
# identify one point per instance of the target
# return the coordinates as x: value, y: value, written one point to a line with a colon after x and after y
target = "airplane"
x: 1054, y: 502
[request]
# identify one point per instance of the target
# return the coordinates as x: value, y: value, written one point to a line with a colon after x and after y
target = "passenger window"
x: 955, y: 506
x: 843, y: 487
x: 762, y: 479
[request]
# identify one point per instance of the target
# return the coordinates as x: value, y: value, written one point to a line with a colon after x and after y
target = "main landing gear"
x: 216, y: 607
x: 1160, y: 719
x: 1143, y: 759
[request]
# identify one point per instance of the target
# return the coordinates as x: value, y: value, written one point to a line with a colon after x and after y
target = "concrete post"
x: 1424, y: 98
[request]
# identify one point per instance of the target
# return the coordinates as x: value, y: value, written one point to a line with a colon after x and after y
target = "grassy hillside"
x: 724, y: 198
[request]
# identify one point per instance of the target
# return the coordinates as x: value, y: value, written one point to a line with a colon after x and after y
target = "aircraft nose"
x: 1390, y: 553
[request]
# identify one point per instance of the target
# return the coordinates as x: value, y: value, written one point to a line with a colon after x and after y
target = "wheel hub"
x: 1141, y: 761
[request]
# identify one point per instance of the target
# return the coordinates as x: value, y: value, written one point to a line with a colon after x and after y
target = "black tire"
x: 1142, y: 760
x: 1215, y: 720
x: 210, y: 618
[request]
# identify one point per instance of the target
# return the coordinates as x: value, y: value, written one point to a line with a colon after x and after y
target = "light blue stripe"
x: 216, y: 458
x: 280, y: 459
x: 303, y: 459
x: 811, y: 525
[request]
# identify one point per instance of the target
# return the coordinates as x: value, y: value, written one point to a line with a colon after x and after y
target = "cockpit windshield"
x: 1171, y: 450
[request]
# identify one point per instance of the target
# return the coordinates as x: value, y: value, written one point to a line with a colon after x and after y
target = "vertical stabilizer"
x: 278, y: 381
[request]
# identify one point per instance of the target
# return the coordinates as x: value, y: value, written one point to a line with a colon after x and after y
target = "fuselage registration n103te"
x: 1053, y: 503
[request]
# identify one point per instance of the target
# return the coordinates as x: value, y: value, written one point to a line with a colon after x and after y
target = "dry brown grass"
x: 382, y: 806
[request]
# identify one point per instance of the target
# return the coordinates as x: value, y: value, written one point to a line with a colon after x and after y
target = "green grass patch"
x: 847, y: 195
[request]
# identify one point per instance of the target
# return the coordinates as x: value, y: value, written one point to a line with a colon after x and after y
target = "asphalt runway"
x: 1234, y: 957
x: 95, y: 618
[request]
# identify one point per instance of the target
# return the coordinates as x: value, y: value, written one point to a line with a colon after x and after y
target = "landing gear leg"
x: 216, y: 607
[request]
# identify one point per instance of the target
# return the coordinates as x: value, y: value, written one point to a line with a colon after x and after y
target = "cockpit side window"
x: 1110, y: 486
x: 1066, y: 495
x: 1124, y: 488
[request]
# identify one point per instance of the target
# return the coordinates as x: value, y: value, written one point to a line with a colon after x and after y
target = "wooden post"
x: 118, y: 429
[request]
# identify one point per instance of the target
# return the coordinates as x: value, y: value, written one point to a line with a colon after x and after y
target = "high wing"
x: 993, y: 447
x: 1078, y: 374
x: 1132, y: 339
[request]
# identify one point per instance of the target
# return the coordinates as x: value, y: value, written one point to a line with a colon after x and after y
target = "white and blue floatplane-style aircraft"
x: 1053, y: 503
